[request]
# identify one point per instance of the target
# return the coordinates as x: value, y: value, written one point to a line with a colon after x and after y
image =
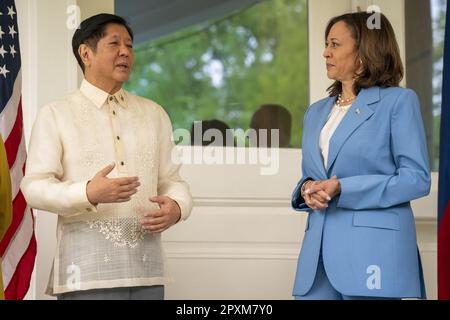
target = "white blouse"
x: 334, y: 119
x: 103, y: 246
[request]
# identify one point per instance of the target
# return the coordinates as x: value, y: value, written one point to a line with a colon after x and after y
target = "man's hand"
x: 161, y: 219
x: 102, y: 189
x: 317, y: 194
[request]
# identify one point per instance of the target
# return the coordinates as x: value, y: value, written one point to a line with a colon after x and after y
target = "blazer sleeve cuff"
x: 297, y: 202
x: 346, y: 197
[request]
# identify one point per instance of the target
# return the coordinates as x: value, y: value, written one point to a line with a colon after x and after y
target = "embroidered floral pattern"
x: 123, y: 232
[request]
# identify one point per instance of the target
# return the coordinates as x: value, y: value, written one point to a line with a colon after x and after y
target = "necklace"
x: 343, y: 102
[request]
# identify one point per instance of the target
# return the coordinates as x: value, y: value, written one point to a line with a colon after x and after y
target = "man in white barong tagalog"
x: 101, y: 159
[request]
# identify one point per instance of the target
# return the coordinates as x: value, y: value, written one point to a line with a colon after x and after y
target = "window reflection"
x: 225, y: 69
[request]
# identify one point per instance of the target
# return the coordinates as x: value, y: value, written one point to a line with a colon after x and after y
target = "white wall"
x: 242, y: 239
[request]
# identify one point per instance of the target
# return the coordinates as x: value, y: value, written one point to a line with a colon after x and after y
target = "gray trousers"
x: 125, y: 293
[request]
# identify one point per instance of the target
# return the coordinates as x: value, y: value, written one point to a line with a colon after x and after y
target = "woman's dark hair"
x: 92, y: 30
x: 377, y: 48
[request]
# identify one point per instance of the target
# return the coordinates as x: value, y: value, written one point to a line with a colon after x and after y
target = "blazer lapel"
x: 359, y: 112
x: 322, y: 115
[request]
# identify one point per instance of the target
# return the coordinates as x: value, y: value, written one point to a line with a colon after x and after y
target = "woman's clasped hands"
x: 318, y: 193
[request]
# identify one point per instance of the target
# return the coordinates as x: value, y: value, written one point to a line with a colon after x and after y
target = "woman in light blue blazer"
x: 364, y: 159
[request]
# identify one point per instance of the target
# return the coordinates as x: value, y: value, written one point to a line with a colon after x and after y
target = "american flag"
x: 18, y: 246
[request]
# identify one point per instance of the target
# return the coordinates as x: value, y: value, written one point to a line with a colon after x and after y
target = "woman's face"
x: 340, y: 53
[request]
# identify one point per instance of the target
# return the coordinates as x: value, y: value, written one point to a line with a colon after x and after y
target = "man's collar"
x: 100, y: 97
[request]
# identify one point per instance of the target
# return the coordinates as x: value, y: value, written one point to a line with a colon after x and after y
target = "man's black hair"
x: 92, y: 30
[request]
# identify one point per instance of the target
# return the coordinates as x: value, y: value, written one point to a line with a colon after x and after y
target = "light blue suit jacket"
x: 368, y: 235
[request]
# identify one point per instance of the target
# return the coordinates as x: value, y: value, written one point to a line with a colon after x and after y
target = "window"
x: 424, y: 64
x: 247, y: 69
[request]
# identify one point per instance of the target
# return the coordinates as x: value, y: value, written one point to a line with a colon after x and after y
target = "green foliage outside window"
x: 226, y: 69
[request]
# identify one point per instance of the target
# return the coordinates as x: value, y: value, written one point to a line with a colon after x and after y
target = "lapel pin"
x: 358, y: 110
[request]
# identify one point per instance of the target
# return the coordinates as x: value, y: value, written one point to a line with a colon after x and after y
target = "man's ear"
x: 85, y: 53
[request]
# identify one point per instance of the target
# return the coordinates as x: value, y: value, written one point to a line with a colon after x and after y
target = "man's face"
x: 111, y: 64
